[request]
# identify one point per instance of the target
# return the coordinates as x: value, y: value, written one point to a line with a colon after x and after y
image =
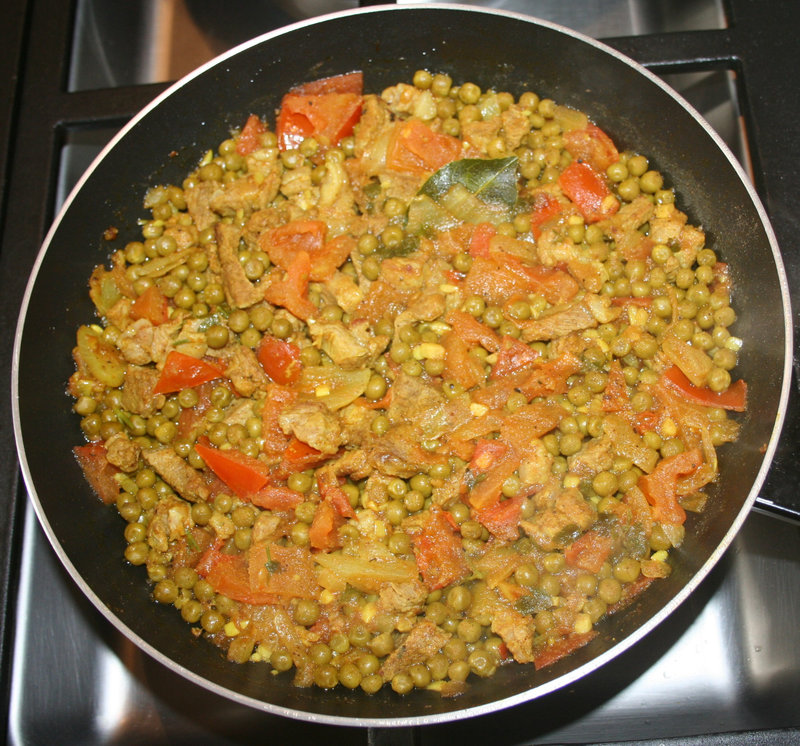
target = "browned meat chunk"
x: 122, y: 452
x: 137, y: 391
x: 517, y: 631
x: 313, y: 423
x: 246, y: 195
x: 184, y: 479
x: 198, y: 203
x: 422, y: 642
x: 585, y: 313
x: 245, y: 372
x: 172, y: 519
x: 240, y: 292
x: 403, y: 598
x: 557, y: 514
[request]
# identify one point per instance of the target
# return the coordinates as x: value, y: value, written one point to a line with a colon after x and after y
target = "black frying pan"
x: 507, y: 52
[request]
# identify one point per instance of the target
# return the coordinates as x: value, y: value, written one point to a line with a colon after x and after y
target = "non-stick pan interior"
x: 388, y: 44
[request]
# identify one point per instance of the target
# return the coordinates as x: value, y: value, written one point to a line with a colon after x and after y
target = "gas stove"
x: 724, y: 668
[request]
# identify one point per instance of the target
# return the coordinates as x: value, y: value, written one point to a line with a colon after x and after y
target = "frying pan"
x: 502, y: 50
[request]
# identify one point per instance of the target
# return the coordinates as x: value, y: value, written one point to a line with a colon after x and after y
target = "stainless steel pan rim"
x: 501, y: 702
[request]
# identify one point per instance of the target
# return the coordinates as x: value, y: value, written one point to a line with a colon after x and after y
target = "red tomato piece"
x: 502, y: 518
x: 545, y: 208
x: 589, y: 191
x: 591, y: 145
x: 416, y: 148
x: 280, y: 360
x: 325, y: 109
x: 276, y: 497
x: 589, y: 551
x: 152, y: 305
x: 244, y: 474
x: 98, y: 472
x: 331, y: 492
x: 323, y: 531
x: 513, y: 358
x: 182, y: 371
x: 472, y: 331
x: 733, y: 398
x: 480, y: 239
x: 250, y: 137
x: 660, y: 485
x: 291, y: 291
x: 486, y: 454
x: 438, y: 551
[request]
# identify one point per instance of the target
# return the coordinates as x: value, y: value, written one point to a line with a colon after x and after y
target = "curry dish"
x: 407, y: 386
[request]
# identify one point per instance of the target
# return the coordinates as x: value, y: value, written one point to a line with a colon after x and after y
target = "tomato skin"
x: 152, y: 305
x: 502, y: 518
x: 280, y: 360
x: 244, y: 474
x: 438, y: 552
x: 480, y: 239
x: 588, y: 190
x: 326, y: 109
x: 660, y: 485
x: 589, y: 552
x: 331, y: 492
x: 250, y: 137
x: 291, y: 292
x: 545, y: 208
x: 98, y: 472
x: 416, y: 148
x: 733, y: 398
x: 323, y: 531
x: 591, y: 145
x: 182, y: 371
x: 283, y: 243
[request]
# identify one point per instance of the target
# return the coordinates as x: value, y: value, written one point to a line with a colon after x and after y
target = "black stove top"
x: 60, y: 100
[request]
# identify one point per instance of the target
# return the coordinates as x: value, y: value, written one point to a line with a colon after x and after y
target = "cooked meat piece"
x: 517, y: 630
x: 198, y: 203
x: 516, y: 126
x: 120, y: 313
x: 184, y: 479
x: 408, y: 99
x: 122, y: 452
x: 536, y: 466
x: 240, y: 412
x: 584, y: 313
x: 177, y: 334
x: 136, y: 342
x: 239, y: 291
x: 172, y: 518
x: 352, y: 464
x: 247, y: 195
x: 403, y: 272
x: 245, y: 372
x: 624, y: 441
x: 137, y: 391
x: 345, y: 291
x: 340, y: 344
x: 398, y: 453
x: 267, y: 528
x: 356, y: 420
x: 557, y: 512
x: 423, y: 641
x: 596, y: 456
x: 313, y: 423
x: 273, y: 625
x: 403, y: 598
x: 479, y: 134
x: 426, y: 307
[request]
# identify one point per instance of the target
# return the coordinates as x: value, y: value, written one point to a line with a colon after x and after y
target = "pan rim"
x: 495, y: 705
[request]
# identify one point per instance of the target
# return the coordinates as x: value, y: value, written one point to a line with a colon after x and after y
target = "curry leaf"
x: 493, y: 180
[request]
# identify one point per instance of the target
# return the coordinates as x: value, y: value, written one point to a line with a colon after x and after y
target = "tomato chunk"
x: 438, y: 551
x: 591, y: 145
x: 660, y: 485
x: 182, y: 371
x: 733, y: 398
x: 291, y: 291
x: 416, y: 148
x: 244, y: 474
x: 280, y: 360
x: 326, y: 109
x: 250, y: 136
x: 589, y: 191
x: 98, y: 472
x: 152, y: 305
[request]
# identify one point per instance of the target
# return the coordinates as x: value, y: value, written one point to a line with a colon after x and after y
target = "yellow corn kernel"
x: 231, y: 630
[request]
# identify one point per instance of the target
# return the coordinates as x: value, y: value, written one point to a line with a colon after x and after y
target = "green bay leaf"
x: 493, y: 180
